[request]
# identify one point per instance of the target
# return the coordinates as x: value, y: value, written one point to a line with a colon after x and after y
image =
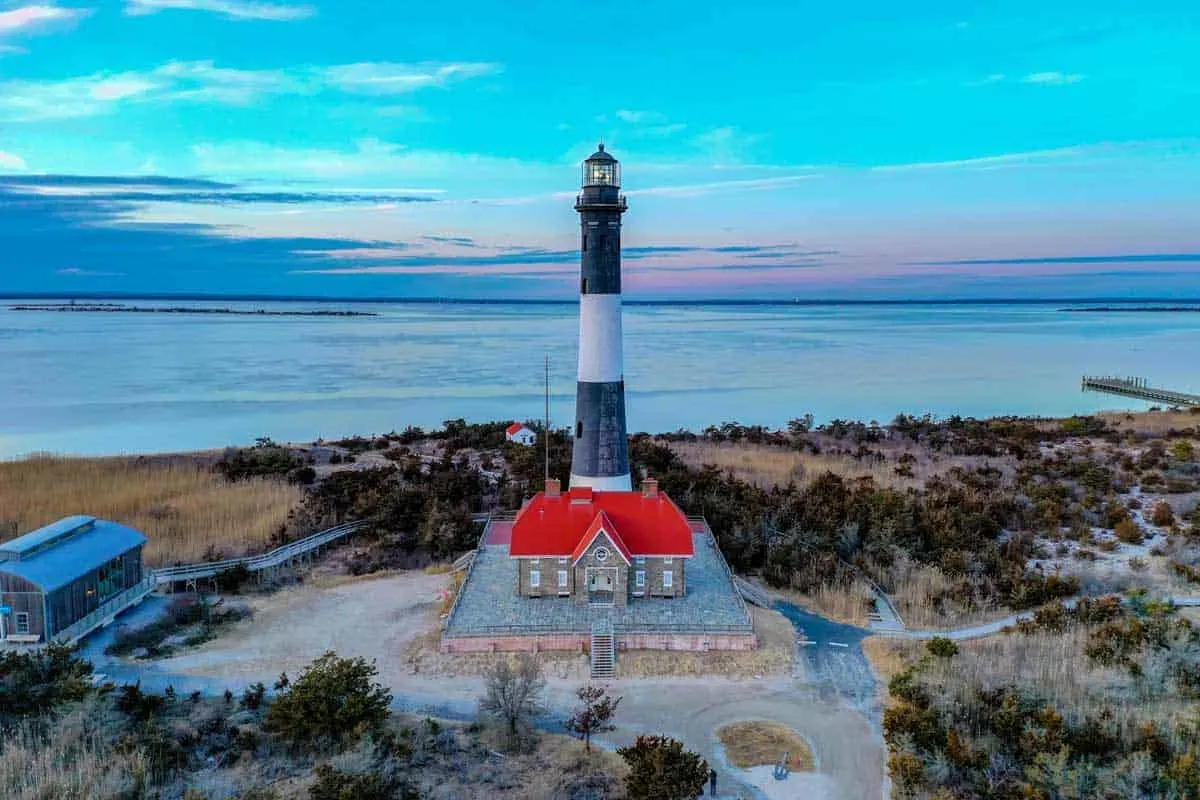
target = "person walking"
x: 712, y: 783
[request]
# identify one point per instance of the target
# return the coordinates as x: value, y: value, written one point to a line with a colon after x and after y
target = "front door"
x: 600, y: 585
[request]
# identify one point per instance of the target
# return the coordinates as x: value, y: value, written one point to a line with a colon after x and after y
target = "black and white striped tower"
x: 600, y: 456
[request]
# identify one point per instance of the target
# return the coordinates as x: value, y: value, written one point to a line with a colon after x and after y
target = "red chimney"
x: 650, y: 487
x: 553, y: 487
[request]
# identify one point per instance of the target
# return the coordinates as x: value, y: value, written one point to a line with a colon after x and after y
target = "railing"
x: 274, y: 558
x: 466, y: 578
x: 108, y: 608
x: 712, y: 541
x: 621, y: 204
x: 1139, y: 388
x: 667, y: 628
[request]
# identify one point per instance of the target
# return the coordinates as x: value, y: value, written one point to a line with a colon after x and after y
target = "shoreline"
x: 117, y: 308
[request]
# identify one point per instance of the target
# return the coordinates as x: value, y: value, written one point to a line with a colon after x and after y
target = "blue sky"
x: 770, y: 149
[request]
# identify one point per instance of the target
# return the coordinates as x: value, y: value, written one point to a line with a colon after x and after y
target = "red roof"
x: 638, y: 525
x: 601, y: 525
x: 516, y: 427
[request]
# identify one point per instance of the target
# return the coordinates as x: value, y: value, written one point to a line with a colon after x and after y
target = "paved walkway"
x: 489, y: 604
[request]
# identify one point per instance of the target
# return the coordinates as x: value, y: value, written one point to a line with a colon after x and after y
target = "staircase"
x: 603, y: 649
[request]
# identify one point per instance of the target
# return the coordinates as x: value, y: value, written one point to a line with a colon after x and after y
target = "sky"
x: 771, y: 150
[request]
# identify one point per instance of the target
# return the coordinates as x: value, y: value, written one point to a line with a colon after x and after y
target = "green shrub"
x: 38, y: 681
x: 941, y: 647
x: 661, y: 769
x: 334, y: 701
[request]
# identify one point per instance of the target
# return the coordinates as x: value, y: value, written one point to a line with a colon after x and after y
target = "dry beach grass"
x: 183, y: 507
x: 754, y: 744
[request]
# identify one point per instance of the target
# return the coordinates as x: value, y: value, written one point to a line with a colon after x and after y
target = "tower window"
x: 584, y: 245
x: 578, y: 429
x: 583, y: 286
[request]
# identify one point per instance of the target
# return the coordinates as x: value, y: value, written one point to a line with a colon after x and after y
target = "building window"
x: 639, y: 578
x: 22, y: 618
x: 564, y: 561
x: 668, y: 578
x: 579, y: 429
x: 668, y: 560
x: 583, y: 286
x: 601, y: 554
x: 562, y: 579
x: 535, y: 578
x: 535, y: 561
x: 639, y: 560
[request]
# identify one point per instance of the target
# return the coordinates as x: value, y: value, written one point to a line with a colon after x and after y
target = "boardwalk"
x: 1139, y: 388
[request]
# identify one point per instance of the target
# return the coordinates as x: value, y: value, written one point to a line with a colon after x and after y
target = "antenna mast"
x: 546, y: 430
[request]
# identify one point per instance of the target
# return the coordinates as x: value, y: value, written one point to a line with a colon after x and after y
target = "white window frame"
x: 668, y: 560
x: 668, y: 579
x: 21, y: 623
x: 535, y: 579
x: 639, y: 560
x: 564, y: 561
x: 639, y: 579
x: 533, y: 562
x: 562, y: 579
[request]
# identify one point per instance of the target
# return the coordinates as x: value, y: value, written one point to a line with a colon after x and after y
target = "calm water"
x: 109, y: 383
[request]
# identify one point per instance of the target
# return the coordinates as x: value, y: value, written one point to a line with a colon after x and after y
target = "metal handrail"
x: 458, y: 592
x: 725, y: 565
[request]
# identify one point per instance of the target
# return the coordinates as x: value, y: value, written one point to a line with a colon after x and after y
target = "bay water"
x: 106, y: 383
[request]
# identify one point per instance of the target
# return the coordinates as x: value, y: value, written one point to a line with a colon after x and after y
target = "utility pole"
x: 546, y: 429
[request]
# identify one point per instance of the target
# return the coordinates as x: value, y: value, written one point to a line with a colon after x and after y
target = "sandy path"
x: 372, y: 617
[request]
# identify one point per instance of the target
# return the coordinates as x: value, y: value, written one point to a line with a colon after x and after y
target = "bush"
x: 265, y: 459
x: 1163, y: 515
x: 941, y: 647
x: 1128, y: 531
x: 335, y: 700
x: 334, y: 785
x: 39, y: 681
x: 661, y: 769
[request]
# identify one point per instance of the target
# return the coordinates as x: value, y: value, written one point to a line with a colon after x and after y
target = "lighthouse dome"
x: 601, y: 169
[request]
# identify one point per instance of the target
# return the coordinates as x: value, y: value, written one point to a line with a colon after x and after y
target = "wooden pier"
x: 1141, y: 389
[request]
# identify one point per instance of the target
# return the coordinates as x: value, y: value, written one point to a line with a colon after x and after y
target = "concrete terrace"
x: 489, y: 605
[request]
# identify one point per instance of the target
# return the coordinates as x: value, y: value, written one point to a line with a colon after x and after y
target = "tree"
x: 1182, y: 450
x: 660, y: 769
x: 514, y: 696
x: 35, y: 682
x: 941, y: 647
x: 334, y: 700
x: 594, y: 715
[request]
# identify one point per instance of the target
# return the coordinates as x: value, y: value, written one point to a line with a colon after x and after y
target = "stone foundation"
x: 686, y: 642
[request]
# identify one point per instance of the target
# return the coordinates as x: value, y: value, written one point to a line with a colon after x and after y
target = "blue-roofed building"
x: 56, y: 576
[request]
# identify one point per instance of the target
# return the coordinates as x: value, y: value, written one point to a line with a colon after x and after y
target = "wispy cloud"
x: 204, y: 82
x: 1136, y: 258
x: 232, y: 9
x: 988, y: 162
x: 713, y: 187
x: 639, y: 117
x: 386, y: 78
x: 154, y: 189
x: 33, y: 18
x: 1052, y: 78
x: 11, y: 161
x: 1036, y: 78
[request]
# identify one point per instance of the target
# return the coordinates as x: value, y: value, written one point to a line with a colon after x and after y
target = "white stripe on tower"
x: 600, y: 358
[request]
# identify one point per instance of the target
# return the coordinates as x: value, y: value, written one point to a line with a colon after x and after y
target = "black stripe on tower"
x: 601, y: 447
x: 600, y: 268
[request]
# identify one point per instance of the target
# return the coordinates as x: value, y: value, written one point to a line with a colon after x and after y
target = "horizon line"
x: 830, y: 301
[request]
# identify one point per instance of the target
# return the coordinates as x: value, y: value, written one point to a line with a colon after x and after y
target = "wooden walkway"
x: 1139, y: 388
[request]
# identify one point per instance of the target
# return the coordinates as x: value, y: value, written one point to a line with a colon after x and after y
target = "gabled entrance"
x: 601, y: 585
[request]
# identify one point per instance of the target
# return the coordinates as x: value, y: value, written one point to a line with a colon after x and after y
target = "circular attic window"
x: 601, y: 553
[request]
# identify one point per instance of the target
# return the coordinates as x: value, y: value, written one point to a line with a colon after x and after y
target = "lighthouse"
x: 600, y: 456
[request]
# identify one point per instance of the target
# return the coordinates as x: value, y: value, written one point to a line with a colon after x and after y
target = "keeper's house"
x: 56, y: 576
